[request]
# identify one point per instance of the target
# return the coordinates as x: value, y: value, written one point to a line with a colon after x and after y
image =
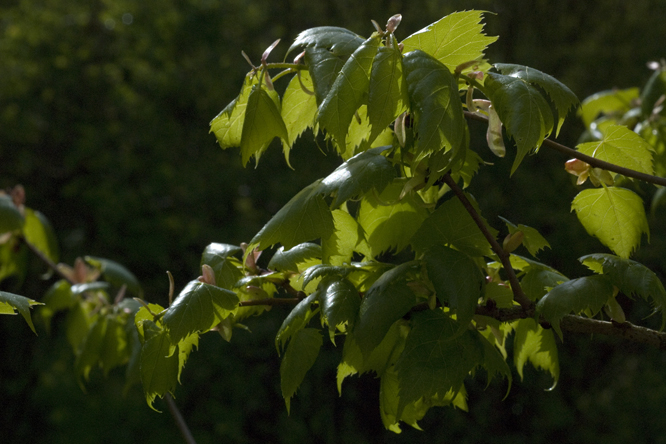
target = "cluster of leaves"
x: 378, y: 252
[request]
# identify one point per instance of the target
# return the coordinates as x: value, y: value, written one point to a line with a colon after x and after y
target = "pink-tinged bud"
x: 18, y: 195
x: 478, y: 75
x: 393, y: 23
x: 208, y: 274
x: 513, y: 241
x: 576, y: 167
x: 401, y: 46
x: 266, y: 53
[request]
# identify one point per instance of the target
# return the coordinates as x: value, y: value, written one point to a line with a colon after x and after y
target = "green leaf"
x: 386, y: 301
x: 185, y: 347
x: 324, y: 67
x: 338, y: 249
x: 299, y: 108
x: 631, y: 277
x: 340, y: 41
x: 536, y: 345
x: 613, y: 102
x: 77, y: 324
x: 453, y: 40
x: 115, y: 349
x: 263, y: 122
x: 451, y: 224
x: 389, y: 223
x: 291, y: 259
x: 457, y: 280
x: 305, y: 217
x: 524, y: 111
x: 199, y: 307
x: 89, y: 354
x: 563, y: 98
x: 297, y: 319
x: 533, y: 240
x: 228, y: 124
x: 436, y: 358
x: 347, y: 92
x: 387, y: 91
x: 301, y: 353
x: 615, y: 216
x: 433, y: 94
x: 10, y: 302
x: 10, y: 217
x: 227, y: 268
x: 159, y: 367
x: 57, y: 298
x: 355, y: 177
x: 339, y: 301
x: 621, y: 146
x: 537, y: 281
x: 116, y: 274
x: 588, y: 293
x: 39, y: 232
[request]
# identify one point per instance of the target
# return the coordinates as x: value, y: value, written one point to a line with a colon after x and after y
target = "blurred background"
x: 104, y: 112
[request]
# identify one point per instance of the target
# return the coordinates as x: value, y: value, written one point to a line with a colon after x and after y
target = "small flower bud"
x: 513, y: 241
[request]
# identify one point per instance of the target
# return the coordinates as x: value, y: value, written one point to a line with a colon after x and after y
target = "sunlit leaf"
x: 159, y: 367
x: 614, y: 102
x: 339, y: 248
x: 185, y: 347
x: 220, y: 257
x: 39, y: 232
x: 588, y: 293
x: 10, y: 302
x: 290, y: 260
x: 535, y: 345
x: 228, y: 124
x: 453, y: 40
x: 263, y: 122
x: 433, y: 95
x: 623, y: 147
x: 339, y: 300
x: 299, y: 108
x: 301, y: 353
x: 524, y: 111
x: 340, y: 41
x: 198, y: 307
x: 615, y: 216
x: 562, y: 97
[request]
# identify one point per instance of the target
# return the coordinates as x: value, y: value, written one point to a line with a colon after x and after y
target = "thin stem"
x: 180, y: 422
x: 518, y: 294
x: 271, y: 301
x: 52, y: 265
x: 596, y: 163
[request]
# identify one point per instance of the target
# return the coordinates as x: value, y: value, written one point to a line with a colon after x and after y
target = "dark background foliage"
x: 104, y: 111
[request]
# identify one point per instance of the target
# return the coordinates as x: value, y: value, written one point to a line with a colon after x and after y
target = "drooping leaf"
x: 453, y: 40
x: 292, y: 259
x: 631, y: 277
x: 323, y: 67
x: 301, y: 353
x: 435, y: 359
x: 299, y: 108
x: 115, y: 349
x: 116, y: 274
x: 340, y: 41
x: 433, y: 95
x: 146, y: 312
x: 588, y: 293
x: 457, y: 280
x: 389, y: 223
x: 304, y: 218
x: 338, y: 249
x: 159, y: 367
x: 386, y: 301
x: 614, y: 102
x: 621, y: 146
x: 77, y: 324
x: 89, y: 354
x: 198, y: 307
x: 562, y: 97
x: 10, y: 217
x: 536, y: 345
x: 185, y: 347
x: 39, y: 232
x: 263, y: 122
x: 10, y: 302
x: 388, y: 91
x: 297, y: 319
x: 347, y: 92
x: 614, y: 215
x: 220, y: 257
x: 339, y: 301
x: 355, y: 177
x: 228, y: 124
x: 58, y: 297
x: 524, y: 111
x: 451, y: 224
x: 533, y: 240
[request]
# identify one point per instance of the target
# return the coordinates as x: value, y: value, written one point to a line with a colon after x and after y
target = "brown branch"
x: 518, y: 293
x: 596, y: 163
x: 180, y: 422
x: 44, y: 258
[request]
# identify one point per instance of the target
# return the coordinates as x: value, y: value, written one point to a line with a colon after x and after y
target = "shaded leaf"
x: 263, y: 122
x: 323, y: 67
x: 615, y: 216
x: 295, y: 321
x: 453, y: 40
x: 91, y: 348
x: 433, y: 95
x: 339, y: 301
x: 615, y: 102
x: 116, y: 274
x: 227, y: 268
x: 301, y: 353
x: 115, y: 349
x: 198, y: 307
x: 10, y: 217
x: 291, y: 259
x: 524, y: 111
x: 588, y: 293
x: 533, y: 240
x: 39, y: 232
x: 340, y: 41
